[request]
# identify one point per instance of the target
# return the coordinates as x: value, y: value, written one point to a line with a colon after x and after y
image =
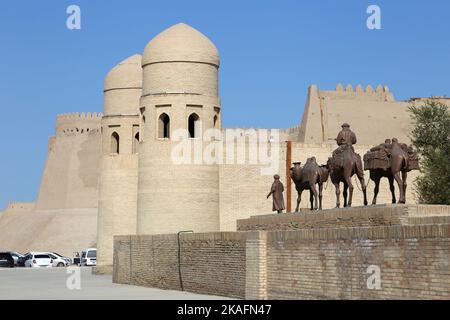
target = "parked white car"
x: 58, y: 260
x: 88, y: 257
x: 38, y: 260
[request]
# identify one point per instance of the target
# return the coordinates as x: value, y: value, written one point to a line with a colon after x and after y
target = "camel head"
x: 296, y: 172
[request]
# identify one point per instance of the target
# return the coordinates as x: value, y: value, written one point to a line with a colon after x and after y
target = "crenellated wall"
x: 77, y: 123
x: 373, y: 115
x: 380, y: 93
x: 70, y: 176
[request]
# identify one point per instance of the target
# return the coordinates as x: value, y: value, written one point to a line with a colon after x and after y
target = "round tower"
x: 119, y: 162
x: 179, y: 98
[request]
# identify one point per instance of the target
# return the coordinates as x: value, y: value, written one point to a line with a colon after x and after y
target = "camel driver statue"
x: 346, y: 138
x: 345, y: 162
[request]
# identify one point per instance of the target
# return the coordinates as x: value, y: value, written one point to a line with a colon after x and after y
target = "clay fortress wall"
x: 117, y: 165
x: 70, y: 178
x: 64, y: 217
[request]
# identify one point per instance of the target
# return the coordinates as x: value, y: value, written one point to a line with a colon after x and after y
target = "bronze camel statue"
x: 342, y: 172
x: 399, y: 167
x: 306, y: 178
x: 401, y: 159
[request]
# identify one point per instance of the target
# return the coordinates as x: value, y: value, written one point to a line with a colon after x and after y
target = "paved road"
x: 51, y: 283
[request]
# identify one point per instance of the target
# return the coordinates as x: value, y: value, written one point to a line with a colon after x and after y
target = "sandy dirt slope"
x: 63, y: 231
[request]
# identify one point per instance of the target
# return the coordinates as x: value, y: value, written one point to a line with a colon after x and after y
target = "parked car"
x: 59, y: 260
x: 6, y: 260
x: 15, y: 256
x: 88, y: 257
x: 38, y: 259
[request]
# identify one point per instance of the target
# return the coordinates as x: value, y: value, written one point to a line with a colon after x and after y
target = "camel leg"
x: 376, y: 189
x: 338, y: 192
x: 312, y: 188
x: 391, y: 186
x: 299, y: 198
x: 360, y: 175
x: 320, y: 195
x: 345, y: 193
x: 311, y: 199
x: 398, y: 179
x: 404, y: 176
x: 348, y: 181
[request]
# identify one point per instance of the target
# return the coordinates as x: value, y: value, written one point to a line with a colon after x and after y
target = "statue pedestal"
x: 364, y: 216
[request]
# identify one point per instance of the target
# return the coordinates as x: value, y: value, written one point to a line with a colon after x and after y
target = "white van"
x: 88, y: 257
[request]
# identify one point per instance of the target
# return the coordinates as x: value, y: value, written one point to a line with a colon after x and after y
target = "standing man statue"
x: 277, y: 193
x: 346, y: 138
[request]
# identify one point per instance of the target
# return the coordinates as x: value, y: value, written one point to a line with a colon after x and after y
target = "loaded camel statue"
x: 392, y: 160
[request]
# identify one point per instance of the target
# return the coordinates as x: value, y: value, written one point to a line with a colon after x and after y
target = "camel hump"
x: 311, y: 166
x: 311, y: 171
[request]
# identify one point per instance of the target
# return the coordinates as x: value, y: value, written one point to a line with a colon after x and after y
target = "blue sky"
x: 271, y: 51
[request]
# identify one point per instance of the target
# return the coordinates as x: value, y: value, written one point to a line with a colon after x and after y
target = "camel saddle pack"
x: 380, y: 159
x: 376, y: 160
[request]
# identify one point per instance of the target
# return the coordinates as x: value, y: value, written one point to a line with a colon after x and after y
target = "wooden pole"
x: 288, y: 175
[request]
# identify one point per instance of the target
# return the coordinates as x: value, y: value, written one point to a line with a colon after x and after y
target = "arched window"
x: 136, y: 143
x: 164, y: 126
x: 142, y: 128
x: 194, y: 126
x: 215, y: 121
x: 115, y: 142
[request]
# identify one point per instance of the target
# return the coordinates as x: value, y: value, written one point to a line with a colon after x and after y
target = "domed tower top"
x: 180, y: 42
x: 123, y: 87
x: 180, y: 60
x: 126, y: 75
